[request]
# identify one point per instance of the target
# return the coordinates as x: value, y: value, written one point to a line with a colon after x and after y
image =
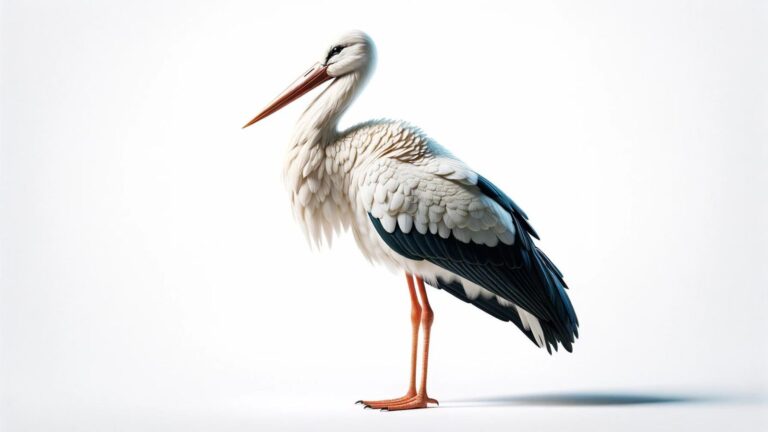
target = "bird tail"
x: 540, y: 332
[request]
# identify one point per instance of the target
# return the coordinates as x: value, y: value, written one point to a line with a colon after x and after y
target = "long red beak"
x: 311, y: 79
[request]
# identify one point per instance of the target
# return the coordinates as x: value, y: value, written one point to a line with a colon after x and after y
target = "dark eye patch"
x: 335, y: 50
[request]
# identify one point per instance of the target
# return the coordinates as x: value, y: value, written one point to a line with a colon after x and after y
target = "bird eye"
x: 335, y: 50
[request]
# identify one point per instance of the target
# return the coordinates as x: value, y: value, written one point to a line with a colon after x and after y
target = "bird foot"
x: 379, y: 404
x: 407, y: 402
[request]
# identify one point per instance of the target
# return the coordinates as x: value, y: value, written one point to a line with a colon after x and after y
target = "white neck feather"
x: 304, y: 171
x: 317, y: 126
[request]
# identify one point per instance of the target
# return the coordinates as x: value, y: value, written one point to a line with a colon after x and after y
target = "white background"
x: 152, y: 277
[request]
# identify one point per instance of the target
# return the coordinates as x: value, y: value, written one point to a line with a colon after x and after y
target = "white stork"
x: 414, y: 207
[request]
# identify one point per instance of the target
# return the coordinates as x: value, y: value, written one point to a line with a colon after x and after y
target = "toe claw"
x: 384, y: 409
x: 366, y: 406
x: 359, y: 402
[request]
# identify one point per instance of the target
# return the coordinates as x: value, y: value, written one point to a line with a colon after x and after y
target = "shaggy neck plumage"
x: 317, y: 127
x: 309, y: 183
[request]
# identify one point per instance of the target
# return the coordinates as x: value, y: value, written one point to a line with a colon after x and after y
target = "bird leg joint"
x: 415, y: 314
x: 427, y: 316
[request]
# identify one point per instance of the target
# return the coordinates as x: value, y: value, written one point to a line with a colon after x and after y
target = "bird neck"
x: 317, y: 127
x: 306, y: 178
x: 318, y: 124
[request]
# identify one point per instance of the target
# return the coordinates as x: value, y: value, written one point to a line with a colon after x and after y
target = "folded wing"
x: 441, y: 211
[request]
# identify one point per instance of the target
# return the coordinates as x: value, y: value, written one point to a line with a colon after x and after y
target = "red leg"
x: 415, y: 321
x: 420, y: 400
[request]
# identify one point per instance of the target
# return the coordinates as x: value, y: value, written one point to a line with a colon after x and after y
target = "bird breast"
x: 324, y: 174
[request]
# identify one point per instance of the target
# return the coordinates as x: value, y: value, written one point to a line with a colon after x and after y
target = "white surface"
x: 152, y: 279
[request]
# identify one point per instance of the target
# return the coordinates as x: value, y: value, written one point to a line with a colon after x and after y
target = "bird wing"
x: 439, y: 210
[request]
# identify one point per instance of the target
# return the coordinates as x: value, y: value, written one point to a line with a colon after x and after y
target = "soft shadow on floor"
x: 582, y: 399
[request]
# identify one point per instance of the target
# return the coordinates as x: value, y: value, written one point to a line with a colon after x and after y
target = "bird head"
x: 352, y: 52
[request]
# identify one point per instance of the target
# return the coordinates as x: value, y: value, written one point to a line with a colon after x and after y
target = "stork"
x: 414, y: 207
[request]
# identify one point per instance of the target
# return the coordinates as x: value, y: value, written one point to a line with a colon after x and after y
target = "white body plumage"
x: 393, y: 172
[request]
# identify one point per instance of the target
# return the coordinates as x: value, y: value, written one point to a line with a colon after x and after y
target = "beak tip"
x: 316, y: 76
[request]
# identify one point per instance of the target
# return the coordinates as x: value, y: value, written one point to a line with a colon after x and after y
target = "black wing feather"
x: 520, y: 273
